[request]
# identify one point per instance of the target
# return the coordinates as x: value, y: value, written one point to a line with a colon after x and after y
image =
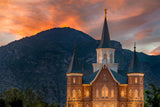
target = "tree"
x: 54, y: 105
x: 29, y: 98
x: 152, y: 96
x: 13, y: 97
x: 16, y: 103
x: 2, y: 103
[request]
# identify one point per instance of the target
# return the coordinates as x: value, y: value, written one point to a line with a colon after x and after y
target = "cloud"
x: 5, y: 38
x: 155, y: 51
x: 128, y: 20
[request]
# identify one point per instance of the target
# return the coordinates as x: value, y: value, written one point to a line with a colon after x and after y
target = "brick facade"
x: 105, y: 91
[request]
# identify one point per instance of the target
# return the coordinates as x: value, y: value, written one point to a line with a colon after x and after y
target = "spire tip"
x: 134, y: 46
x: 105, y: 11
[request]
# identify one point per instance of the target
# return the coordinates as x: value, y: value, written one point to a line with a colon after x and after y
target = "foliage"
x: 26, y: 98
x: 54, y: 105
x: 152, y: 96
x: 2, y: 103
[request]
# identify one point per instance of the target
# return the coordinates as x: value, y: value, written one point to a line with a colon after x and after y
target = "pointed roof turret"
x: 105, y: 39
x: 135, y: 62
x: 74, y: 66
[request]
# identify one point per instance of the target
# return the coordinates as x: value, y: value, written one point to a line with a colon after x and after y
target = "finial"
x: 105, y: 12
x: 134, y: 46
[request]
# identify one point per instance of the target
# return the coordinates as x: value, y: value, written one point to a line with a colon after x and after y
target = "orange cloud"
x: 143, y: 34
x: 155, y: 51
x: 28, y: 17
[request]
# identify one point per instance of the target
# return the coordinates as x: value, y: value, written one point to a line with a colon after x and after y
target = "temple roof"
x: 87, y: 79
x: 134, y: 68
x: 120, y: 78
x: 105, y: 38
x: 74, y: 66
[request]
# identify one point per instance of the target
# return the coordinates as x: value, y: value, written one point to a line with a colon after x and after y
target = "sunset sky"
x: 129, y: 20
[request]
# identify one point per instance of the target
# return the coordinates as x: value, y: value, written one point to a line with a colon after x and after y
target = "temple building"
x: 105, y: 87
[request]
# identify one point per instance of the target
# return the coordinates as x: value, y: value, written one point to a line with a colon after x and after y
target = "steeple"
x: 74, y: 66
x: 135, y: 62
x: 105, y: 38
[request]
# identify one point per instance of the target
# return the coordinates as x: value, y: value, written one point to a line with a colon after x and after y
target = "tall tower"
x: 74, y: 83
x: 135, y: 83
x: 105, y: 54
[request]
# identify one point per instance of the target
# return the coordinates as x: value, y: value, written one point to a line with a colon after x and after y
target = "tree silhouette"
x: 152, y: 96
x: 2, y: 103
x: 16, y: 103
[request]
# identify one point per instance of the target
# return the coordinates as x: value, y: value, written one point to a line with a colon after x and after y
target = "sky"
x: 129, y: 21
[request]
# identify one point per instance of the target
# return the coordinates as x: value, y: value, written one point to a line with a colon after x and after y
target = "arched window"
x: 122, y: 105
x: 74, y: 80
x: 136, y: 94
x: 112, y: 93
x: 87, y: 105
x: 87, y: 93
x: 74, y: 93
x: 136, y: 80
x: 97, y: 93
x: 79, y: 94
x: 79, y: 105
x: 130, y: 105
x: 111, y: 58
x: 105, y: 56
x: 130, y: 94
x: 97, y: 105
x: 112, y: 105
x: 104, y: 61
x: 136, y: 105
x: 104, y: 105
x: 104, y: 91
x: 122, y: 93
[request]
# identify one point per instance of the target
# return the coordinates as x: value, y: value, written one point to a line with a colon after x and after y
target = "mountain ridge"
x: 41, y: 61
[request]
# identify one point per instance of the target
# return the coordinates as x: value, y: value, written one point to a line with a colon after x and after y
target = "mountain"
x: 41, y: 61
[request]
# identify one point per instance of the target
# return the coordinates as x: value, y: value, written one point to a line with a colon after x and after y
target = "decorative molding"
x: 103, y: 67
x: 135, y: 74
x: 74, y: 74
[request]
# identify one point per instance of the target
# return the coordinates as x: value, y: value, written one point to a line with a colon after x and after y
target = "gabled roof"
x: 119, y: 78
x: 105, y: 38
x: 74, y: 66
x: 134, y: 68
x: 87, y: 79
